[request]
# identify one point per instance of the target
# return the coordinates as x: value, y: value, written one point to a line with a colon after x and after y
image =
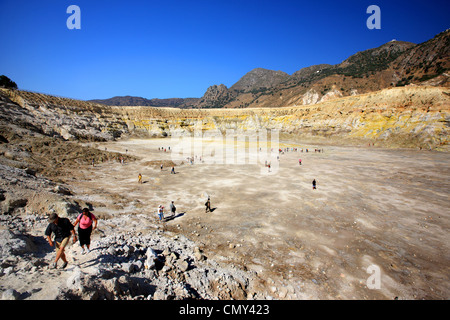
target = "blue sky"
x: 169, y: 48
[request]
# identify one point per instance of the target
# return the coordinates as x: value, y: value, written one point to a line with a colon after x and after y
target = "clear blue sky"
x: 169, y: 48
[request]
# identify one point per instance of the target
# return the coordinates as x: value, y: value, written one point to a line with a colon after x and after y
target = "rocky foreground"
x: 125, y: 265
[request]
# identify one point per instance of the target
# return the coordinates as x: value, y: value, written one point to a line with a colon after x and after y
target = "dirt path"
x: 372, y: 207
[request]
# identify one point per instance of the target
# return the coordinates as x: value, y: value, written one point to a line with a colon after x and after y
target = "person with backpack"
x: 173, y: 208
x: 208, y: 205
x: 85, y: 219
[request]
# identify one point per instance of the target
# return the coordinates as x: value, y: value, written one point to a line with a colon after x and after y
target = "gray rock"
x: 8, y: 271
x: 199, y: 256
x: 182, y: 265
x: 138, y: 265
x: 74, y: 281
x: 10, y: 243
x: 62, y: 190
x: 112, y: 251
x: 112, y: 287
x: 127, y: 267
x: 10, y: 294
x: 151, y: 259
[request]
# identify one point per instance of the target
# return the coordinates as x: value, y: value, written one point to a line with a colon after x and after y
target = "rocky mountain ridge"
x: 396, y: 63
x: 412, y: 116
x: 139, y: 101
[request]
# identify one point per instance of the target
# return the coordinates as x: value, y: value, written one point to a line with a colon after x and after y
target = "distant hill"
x: 393, y: 64
x: 139, y: 101
x: 259, y: 78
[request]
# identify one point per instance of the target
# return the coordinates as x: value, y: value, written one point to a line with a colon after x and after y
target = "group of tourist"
x: 63, y: 229
x: 160, y: 211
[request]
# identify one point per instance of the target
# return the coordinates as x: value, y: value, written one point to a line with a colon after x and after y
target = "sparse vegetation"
x: 6, y: 82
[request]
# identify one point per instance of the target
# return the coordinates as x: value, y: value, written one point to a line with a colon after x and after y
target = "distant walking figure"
x: 140, y: 178
x: 160, y: 212
x: 314, y: 184
x: 208, y: 205
x: 173, y: 170
x: 173, y: 208
x: 300, y: 161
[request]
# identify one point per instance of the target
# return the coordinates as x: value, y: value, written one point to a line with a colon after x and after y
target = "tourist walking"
x: 173, y: 208
x: 62, y: 228
x: 208, y: 205
x: 160, y: 212
x: 314, y: 184
x: 140, y: 178
x: 85, y: 219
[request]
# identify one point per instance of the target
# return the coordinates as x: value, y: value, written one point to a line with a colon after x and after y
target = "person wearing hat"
x: 62, y: 228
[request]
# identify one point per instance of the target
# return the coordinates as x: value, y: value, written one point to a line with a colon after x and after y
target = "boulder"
x: 62, y: 190
x: 10, y: 294
x: 151, y: 258
x: 74, y: 282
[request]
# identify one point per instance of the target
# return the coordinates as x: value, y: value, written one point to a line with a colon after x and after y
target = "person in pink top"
x: 85, y: 219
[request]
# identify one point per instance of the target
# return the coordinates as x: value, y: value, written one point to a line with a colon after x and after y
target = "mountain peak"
x: 259, y: 78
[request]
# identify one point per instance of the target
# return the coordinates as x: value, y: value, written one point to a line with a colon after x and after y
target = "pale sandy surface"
x: 387, y: 208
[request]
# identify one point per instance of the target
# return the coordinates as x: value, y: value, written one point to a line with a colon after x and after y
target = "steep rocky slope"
x: 215, y: 97
x: 259, y: 78
x: 413, y: 116
x: 397, y: 117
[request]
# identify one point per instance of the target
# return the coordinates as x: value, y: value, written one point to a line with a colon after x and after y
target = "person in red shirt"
x: 86, y: 219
